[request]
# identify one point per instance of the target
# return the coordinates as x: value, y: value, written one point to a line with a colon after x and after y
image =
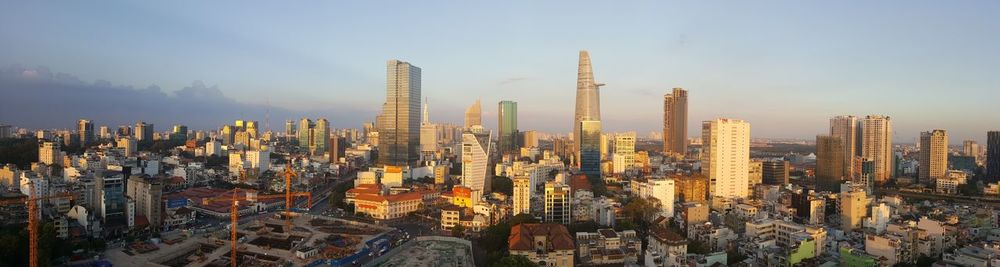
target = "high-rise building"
x: 522, y: 195
x: 179, y: 133
x: 85, y: 130
x: 290, y: 129
x: 228, y: 135
x: 876, y: 145
x: 624, y: 156
x: 972, y: 149
x: 474, y: 115
x: 846, y: 129
x: 775, y: 172
x: 476, y: 148
x: 933, y: 157
x: 103, y: 132
x: 691, y: 188
x: 321, y: 135
x: 590, y: 148
x: 557, y: 203
x: 338, y: 149
x: 829, y: 163
x: 507, y: 111
x: 993, y: 156
x: 588, y: 109
x: 127, y: 144
x: 399, y: 125
x: 853, y: 209
x: 305, y: 132
x: 428, y: 133
x: 147, y: 193
x: 725, y: 157
x: 144, y: 132
x: 675, y: 122
x: 49, y: 153
x: 529, y: 138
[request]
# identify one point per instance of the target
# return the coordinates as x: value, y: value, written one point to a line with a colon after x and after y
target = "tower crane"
x: 32, y: 202
x: 235, y: 211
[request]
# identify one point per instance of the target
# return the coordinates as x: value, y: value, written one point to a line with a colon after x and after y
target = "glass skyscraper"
x: 508, y: 126
x: 399, y: 123
x: 590, y: 148
x: 588, y: 114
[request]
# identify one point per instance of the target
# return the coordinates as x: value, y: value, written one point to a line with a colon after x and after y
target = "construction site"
x: 305, y: 240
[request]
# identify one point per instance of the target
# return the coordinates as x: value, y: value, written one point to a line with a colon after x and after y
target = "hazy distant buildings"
x: 933, y: 157
x: 507, y: 112
x: 587, y: 114
x: 529, y: 138
x: 993, y: 156
x: 428, y: 133
x: 399, y: 123
x: 725, y: 156
x: 830, y: 171
x: 314, y: 136
x: 675, y: 122
x: 845, y: 128
x: 876, y: 146
x: 474, y: 115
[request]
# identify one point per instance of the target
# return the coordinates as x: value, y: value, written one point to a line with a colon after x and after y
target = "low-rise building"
x: 546, y: 244
x: 608, y: 247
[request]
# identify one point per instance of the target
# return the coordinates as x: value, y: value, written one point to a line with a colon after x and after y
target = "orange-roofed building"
x: 388, y: 207
x: 547, y: 244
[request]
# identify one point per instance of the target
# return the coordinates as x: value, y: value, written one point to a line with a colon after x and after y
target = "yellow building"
x: 462, y: 196
x: 387, y: 207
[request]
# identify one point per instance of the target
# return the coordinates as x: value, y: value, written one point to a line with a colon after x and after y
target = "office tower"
x: 338, y: 149
x: 228, y: 135
x: 846, y: 129
x: 755, y: 175
x: 624, y: 156
x: 474, y: 115
x: 933, y: 155
x: 993, y: 156
x: 49, y: 153
x: 590, y: 148
x: 557, y: 203
x: 829, y: 163
x: 144, y: 132
x: 853, y: 209
x: 972, y: 149
x: 428, y: 133
x: 305, y: 133
x: 475, y: 163
x: 691, y: 188
x: 775, y: 171
x: 725, y: 157
x: 588, y: 109
x: 179, y: 133
x: 110, y: 187
x: 507, y: 111
x: 530, y: 138
x: 252, y: 128
x: 85, y: 130
x: 675, y: 122
x: 104, y: 132
x: 522, y: 195
x: 290, y: 129
x: 127, y: 144
x: 876, y: 145
x: 147, y: 193
x: 320, y: 137
x: 399, y: 126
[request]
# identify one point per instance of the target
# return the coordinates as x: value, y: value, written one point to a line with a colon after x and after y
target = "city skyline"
x: 850, y: 76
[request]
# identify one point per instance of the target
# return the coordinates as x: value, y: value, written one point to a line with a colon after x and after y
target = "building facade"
x: 675, y: 122
x: 399, y: 123
x: 726, y: 156
x: 933, y: 157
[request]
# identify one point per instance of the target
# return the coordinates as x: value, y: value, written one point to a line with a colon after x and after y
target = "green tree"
x: 514, y: 261
x: 503, y: 185
x: 458, y: 231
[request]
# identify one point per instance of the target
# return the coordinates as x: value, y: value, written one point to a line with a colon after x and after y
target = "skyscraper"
x: 590, y: 148
x: 476, y: 173
x: 321, y: 135
x: 85, y: 129
x: 507, y: 110
x: 588, y: 109
x: 305, y: 133
x: 289, y: 129
x: 143, y: 132
x: 972, y: 149
x: 725, y: 157
x: 399, y: 127
x: 829, y: 165
x: 993, y: 156
x: 876, y: 145
x: 933, y: 155
x: 846, y: 129
x: 474, y: 115
x: 675, y: 122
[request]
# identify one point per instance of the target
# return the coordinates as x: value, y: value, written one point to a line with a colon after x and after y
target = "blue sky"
x: 784, y: 66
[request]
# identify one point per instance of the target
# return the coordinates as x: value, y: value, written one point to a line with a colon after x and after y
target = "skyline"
x: 800, y: 75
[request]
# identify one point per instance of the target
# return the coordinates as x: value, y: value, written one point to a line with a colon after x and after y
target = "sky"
x: 784, y: 66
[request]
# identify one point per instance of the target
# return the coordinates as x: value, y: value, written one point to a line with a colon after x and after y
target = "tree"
x: 503, y: 185
x: 458, y: 231
x: 697, y: 247
x: 514, y: 261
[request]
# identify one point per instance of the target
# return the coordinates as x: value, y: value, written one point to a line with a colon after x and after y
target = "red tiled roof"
x: 523, y: 235
x: 579, y: 182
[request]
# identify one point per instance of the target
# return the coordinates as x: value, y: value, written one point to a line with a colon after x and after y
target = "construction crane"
x: 32, y: 202
x: 235, y: 212
x: 289, y: 173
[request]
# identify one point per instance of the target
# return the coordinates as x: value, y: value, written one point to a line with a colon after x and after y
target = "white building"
x: 950, y: 182
x: 726, y: 156
x: 49, y: 153
x: 624, y: 157
x: 476, y: 147
x: 879, y: 217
